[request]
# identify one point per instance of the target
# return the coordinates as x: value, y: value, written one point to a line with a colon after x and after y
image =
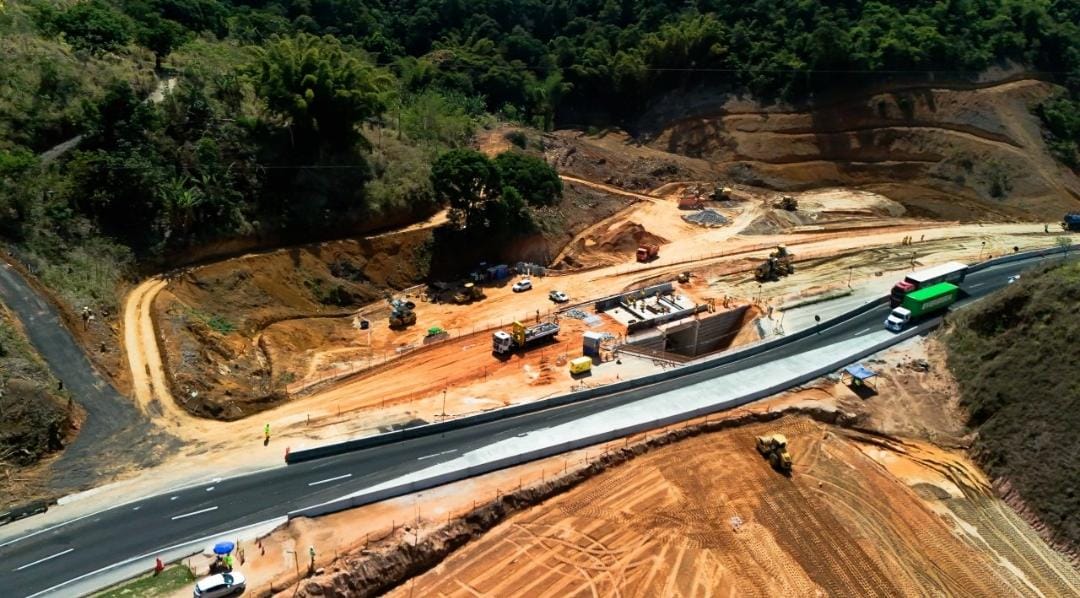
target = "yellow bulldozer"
x: 774, y: 448
x: 779, y: 263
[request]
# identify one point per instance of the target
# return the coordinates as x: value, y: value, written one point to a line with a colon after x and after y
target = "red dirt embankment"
x: 209, y: 317
x: 963, y: 154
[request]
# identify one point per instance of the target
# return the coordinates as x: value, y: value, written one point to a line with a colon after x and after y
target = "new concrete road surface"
x: 50, y: 560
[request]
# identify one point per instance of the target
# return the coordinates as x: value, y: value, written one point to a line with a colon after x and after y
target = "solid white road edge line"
x: 200, y: 511
x: 48, y: 558
x: 49, y: 529
x: 204, y: 539
x: 340, y: 477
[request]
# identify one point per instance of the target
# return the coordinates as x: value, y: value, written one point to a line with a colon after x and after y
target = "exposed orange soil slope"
x: 940, y: 151
x: 708, y: 517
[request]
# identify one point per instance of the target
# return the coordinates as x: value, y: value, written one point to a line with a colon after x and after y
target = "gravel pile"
x: 708, y: 218
x: 575, y: 313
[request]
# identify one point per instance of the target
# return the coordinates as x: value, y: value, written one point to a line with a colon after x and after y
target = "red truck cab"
x: 899, y: 290
x: 649, y: 252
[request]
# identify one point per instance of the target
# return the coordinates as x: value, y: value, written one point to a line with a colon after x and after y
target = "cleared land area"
x: 708, y: 516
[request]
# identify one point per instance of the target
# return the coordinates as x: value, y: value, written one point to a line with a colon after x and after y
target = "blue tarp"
x: 859, y: 372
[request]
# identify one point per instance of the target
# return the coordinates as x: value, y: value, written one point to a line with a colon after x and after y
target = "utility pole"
x: 297, y: 563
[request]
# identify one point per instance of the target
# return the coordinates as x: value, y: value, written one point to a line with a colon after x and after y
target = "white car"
x: 558, y: 296
x: 524, y: 284
x: 222, y: 584
x: 1013, y: 279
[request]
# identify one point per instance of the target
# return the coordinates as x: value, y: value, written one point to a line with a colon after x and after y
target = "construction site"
x: 816, y: 492
x: 696, y: 236
x: 681, y: 261
x: 708, y: 516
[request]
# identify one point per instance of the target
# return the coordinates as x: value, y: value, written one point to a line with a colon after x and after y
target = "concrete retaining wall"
x: 613, y: 301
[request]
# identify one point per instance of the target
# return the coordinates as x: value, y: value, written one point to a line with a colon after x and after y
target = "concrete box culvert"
x: 699, y: 337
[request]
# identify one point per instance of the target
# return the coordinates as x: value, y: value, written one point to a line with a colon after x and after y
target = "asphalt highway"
x: 46, y: 559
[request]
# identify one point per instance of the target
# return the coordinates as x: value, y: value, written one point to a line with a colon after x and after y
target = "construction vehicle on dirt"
x: 522, y: 336
x: 774, y: 448
x: 721, y: 193
x: 779, y: 263
x: 788, y: 203
x: 401, y: 313
x: 1071, y: 222
x: 648, y: 252
x: 468, y: 293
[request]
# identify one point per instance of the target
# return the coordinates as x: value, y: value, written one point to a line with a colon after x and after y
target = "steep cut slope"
x: 973, y: 153
x: 1017, y: 361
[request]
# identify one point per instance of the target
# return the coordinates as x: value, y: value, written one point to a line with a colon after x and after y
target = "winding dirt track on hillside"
x: 149, y: 380
x: 610, y: 189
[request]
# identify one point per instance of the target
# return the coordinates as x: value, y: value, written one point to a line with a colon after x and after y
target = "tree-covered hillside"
x: 295, y: 119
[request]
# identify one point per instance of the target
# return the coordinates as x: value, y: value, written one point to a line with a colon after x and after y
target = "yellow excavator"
x: 774, y: 448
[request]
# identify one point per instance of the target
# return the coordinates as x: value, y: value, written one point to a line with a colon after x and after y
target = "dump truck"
x: 779, y: 263
x: 774, y: 448
x: 920, y: 303
x: 953, y: 272
x: 691, y: 202
x: 647, y: 253
x: 401, y: 313
x: 1071, y: 221
x: 522, y: 336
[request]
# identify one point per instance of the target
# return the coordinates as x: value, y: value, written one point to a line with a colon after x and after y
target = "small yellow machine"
x: 580, y: 365
x: 774, y: 448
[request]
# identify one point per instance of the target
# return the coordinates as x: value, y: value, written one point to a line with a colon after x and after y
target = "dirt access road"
x: 113, y: 426
x: 684, y: 252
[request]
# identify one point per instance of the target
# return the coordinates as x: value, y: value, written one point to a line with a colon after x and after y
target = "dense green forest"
x: 295, y: 119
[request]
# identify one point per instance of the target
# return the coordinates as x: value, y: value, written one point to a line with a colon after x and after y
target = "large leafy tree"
x: 467, y: 180
x: 322, y: 88
x: 537, y: 182
x: 94, y: 26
